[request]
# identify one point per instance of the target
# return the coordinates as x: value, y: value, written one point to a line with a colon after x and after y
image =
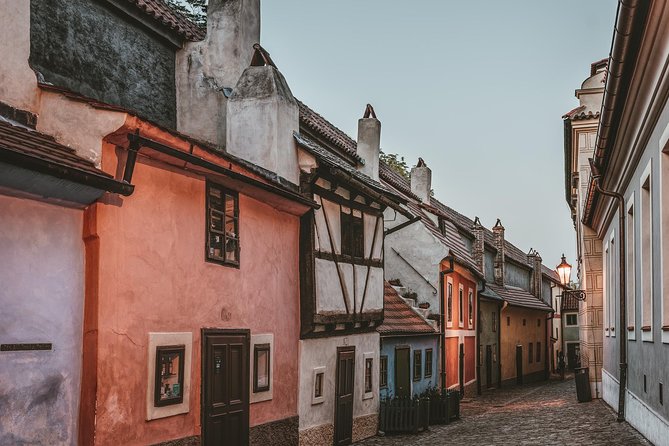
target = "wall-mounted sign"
x: 25, y: 347
x: 169, y: 380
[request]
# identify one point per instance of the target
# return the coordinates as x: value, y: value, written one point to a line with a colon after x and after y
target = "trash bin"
x: 582, y: 378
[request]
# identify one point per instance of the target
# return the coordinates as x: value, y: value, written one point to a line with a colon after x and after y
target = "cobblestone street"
x: 540, y: 414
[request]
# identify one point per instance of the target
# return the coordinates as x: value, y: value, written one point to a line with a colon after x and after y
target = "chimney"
x: 262, y: 116
x: 479, y: 245
x: 421, y: 181
x: 369, y: 143
x: 207, y: 71
x: 534, y: 260
x: 498, y: 240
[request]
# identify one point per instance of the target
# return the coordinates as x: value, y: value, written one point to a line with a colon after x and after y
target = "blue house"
x: 409, y: 347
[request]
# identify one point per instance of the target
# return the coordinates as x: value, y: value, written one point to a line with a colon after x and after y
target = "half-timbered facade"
x: 341, y: 291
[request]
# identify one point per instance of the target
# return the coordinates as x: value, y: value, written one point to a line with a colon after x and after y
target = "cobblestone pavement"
x: 541, y: 414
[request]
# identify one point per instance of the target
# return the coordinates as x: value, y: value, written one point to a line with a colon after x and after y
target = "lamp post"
x: 564, y: 271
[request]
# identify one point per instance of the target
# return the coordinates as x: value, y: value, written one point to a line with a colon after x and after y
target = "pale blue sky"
x: 476, y: 88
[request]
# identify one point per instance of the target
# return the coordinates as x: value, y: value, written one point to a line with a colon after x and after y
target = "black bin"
x: 582, y: 379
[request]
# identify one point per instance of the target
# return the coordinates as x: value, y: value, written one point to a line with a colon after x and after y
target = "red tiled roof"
x: 579, y: 113
x: 328, y: 131
x: 37, y: 145
x: 569, y: 303
x: 399, y: 318
x: 519, y: 298
x: 159, y: 11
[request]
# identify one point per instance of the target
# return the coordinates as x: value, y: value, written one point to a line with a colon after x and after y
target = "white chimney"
x: 206, y: 70
x: 369, y: 143
x: 421, y: 181
x: 262, y: 116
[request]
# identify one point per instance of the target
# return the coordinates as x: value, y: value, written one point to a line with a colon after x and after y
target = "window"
x: 352, y: 235
x: 169, y: 375
x: 572, y: 320
x: 646, y: 255
x: 530, y: 357
x: 630, y: 268
x: 428, y: 363
x: 494, y: 353
x: 524, y: 322
x: 557, y: 333
x: 222, y: 225
x: 538, y: 322
x: 383, y: 372
x: 606, y: 272
x: 319, y: 381
x: 470, y: 308
x: 613, y: 286
x: 538, y: 351
x: 368, y: 374
x: 494, y: 322
x: 461, y: 306
x: 508, y: 321
x: 417, y: 363
x: 449, y: 302
x: 261, y: 368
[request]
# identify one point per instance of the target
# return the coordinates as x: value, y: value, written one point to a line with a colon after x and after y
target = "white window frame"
x: 470, y: 308
x: 374, y: 377
x: 630, y: 268
x: 646, y: 282
x: 605, y: 301
x: 613, y: 274
x: 318, y: 399
x: 461, y: 306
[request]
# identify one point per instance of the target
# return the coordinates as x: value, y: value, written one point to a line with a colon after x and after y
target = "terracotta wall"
x: 153, y: 278
x: 452, y: 351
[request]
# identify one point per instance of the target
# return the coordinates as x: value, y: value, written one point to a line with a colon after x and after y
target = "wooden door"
x: 572, y: 355
x: 461, y: 372
x: 402, y: 372
x: 519, y: 364
x: 345, y: 389
x: 488, y: 366
x: 225, y: 388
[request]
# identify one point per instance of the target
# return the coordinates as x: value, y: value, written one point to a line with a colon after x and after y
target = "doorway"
x: 488, y: 366
x: 225, y: 387
x: 519, y: 364
x: 344, y: 391
x: 573, y: 355
x: 402, y: 372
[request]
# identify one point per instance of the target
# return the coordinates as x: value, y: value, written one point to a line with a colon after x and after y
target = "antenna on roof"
x: 261, y: 57
x: 369, y: 112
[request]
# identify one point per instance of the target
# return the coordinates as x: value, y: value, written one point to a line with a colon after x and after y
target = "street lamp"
x: 564, y: 271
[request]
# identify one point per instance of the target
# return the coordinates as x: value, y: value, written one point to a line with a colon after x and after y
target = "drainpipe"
x: 478, y: 338
x: 622, y: 333
x: 442, y: 319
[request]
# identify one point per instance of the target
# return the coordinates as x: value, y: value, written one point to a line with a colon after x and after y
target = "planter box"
x: 398, y: 415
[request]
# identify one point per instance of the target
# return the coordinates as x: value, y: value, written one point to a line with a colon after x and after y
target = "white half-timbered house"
x: 341, y: 292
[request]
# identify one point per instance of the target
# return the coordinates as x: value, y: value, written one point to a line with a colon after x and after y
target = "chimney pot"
x: 421, y: 181
x: 369, y: 143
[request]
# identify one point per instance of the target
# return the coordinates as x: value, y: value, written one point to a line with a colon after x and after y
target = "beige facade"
x: 523, y: 329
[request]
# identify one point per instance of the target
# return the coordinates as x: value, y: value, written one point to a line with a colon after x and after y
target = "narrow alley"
x: 543, y: 413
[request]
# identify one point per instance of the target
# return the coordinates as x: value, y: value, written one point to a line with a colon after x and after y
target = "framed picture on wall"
x: 169, y: 375
x: 261, y: 367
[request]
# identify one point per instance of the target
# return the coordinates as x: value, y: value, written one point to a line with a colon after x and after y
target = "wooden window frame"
x: 566, y: 320
x: 209, y: 209
x: 383, y: 371
x: 417, y: 365
x: 428, y: 365
x: 351, y: 246
x: 470, y: 308
x: 257, y: 348
x: 160, y: 350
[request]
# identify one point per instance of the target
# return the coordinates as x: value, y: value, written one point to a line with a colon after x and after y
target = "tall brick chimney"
x: 421, y: 181
x: 479, y: 245
x: 498, y: 240
x: 534, y: 260
x: 262, y: 116
x: 207, y: 71
x: 369, y: 143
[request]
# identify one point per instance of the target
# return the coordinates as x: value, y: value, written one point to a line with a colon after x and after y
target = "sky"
x: 476, y: 88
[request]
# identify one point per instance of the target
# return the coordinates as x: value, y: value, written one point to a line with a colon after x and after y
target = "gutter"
x: 630, y: 24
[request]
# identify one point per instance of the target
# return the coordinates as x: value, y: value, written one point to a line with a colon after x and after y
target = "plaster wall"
x: 317, y: 353
x: 388, y: 346
x: 487, y: 312
x: 489, y: 266
x: 19, y: 83
x: 518, y: 334
x: 569, y: 333
x: 42, y: 276
x: 517, y: 276
x: 153, y: 278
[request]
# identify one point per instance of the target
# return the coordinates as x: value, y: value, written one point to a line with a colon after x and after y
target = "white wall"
x: 42, y: 277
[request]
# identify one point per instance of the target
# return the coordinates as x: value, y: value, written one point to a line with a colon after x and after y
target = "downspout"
x: 622, y: 335
x: 478, y: 338
x: 442, y: 319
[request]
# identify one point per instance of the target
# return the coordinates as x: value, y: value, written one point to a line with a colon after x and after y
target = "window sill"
x: 222, y: 263
x: 665, y: 328
x: 630, y: 328
x: 368, y: 395
x: 646, y: 328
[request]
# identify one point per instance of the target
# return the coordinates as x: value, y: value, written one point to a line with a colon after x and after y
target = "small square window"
x: 428, y: 363
x: 368, y: 375
x: 222, y: 225
x: 383, y: 372
x: 417, y: 365
x: 318, y: 395
x: 261, y: 368
x: 572, y: 320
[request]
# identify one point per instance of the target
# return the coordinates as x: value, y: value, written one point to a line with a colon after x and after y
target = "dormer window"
x: 352, y: 234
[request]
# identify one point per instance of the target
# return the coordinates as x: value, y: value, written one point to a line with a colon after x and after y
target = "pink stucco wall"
x: 153, y: 278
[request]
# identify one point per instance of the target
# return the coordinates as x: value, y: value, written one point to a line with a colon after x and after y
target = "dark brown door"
x: 402, y: 372
x: 344, y: 395
x: 488, y: 366
x: 572, y: 355
x: 461, y: 371
x: 519, y: 364
x: 225, y: 387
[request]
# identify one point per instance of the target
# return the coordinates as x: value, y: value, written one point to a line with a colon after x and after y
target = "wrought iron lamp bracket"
x: 576, y: 294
